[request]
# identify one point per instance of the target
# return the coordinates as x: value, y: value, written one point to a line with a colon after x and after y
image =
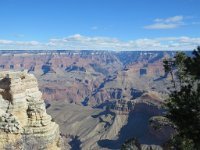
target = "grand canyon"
x: 99, y: 75
x: 99, y: 99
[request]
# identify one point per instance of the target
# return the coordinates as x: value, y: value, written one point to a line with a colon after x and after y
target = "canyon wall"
x: 90, y: 77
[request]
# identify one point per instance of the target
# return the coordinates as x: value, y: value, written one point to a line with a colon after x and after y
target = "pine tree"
x: 183, y: 103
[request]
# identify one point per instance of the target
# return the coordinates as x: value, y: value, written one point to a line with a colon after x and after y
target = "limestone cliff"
x: 23, y: 113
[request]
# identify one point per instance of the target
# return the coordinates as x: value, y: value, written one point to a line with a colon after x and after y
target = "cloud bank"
x: 80, y: 42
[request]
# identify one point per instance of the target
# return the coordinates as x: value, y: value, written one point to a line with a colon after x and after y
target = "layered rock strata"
x: 123, y: 107
x: 23, y: 113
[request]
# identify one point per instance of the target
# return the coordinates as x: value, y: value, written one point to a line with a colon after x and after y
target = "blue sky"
x: 100, y: 24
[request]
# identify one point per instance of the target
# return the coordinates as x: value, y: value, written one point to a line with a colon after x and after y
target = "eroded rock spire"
x: 23, y: 114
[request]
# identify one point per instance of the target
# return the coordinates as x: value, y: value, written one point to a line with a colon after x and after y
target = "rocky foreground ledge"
x: 23, y: 118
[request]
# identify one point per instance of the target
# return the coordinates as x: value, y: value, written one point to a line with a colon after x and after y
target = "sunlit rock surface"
x: 23, y: 112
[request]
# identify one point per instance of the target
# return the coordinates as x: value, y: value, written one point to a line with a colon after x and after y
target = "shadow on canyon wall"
x: 137, y: 126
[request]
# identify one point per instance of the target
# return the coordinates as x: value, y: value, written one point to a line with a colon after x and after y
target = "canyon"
x: 100, y: 99
x: 76, y: 76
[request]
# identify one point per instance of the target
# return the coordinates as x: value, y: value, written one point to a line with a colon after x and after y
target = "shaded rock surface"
x: 162, y: 127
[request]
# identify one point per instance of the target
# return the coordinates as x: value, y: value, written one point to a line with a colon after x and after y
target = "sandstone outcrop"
x: 23, y: 113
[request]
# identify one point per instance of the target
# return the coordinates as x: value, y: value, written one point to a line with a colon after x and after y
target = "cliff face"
x: 23, y: 113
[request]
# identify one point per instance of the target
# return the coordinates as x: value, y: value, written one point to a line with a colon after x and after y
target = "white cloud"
x: 80, y: 42
x: 13, y: 45
x: 6, y: 42
x: 170, y: 19
x: 162, y: 26
x: 167, y: 23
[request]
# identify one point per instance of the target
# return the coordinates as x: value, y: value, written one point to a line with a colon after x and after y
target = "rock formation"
x: 23, y: 113
x: 162, y: 128
x: 123, y: 106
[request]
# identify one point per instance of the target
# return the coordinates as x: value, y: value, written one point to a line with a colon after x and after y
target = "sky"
x: 99, y: 24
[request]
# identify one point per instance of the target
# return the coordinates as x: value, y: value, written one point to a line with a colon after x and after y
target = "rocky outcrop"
x: 161, y: 127
x: 75, y: 68
x: 133, y: 144
x: 149, y: 103
x: 123, y: 106
x: 23, y: 113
